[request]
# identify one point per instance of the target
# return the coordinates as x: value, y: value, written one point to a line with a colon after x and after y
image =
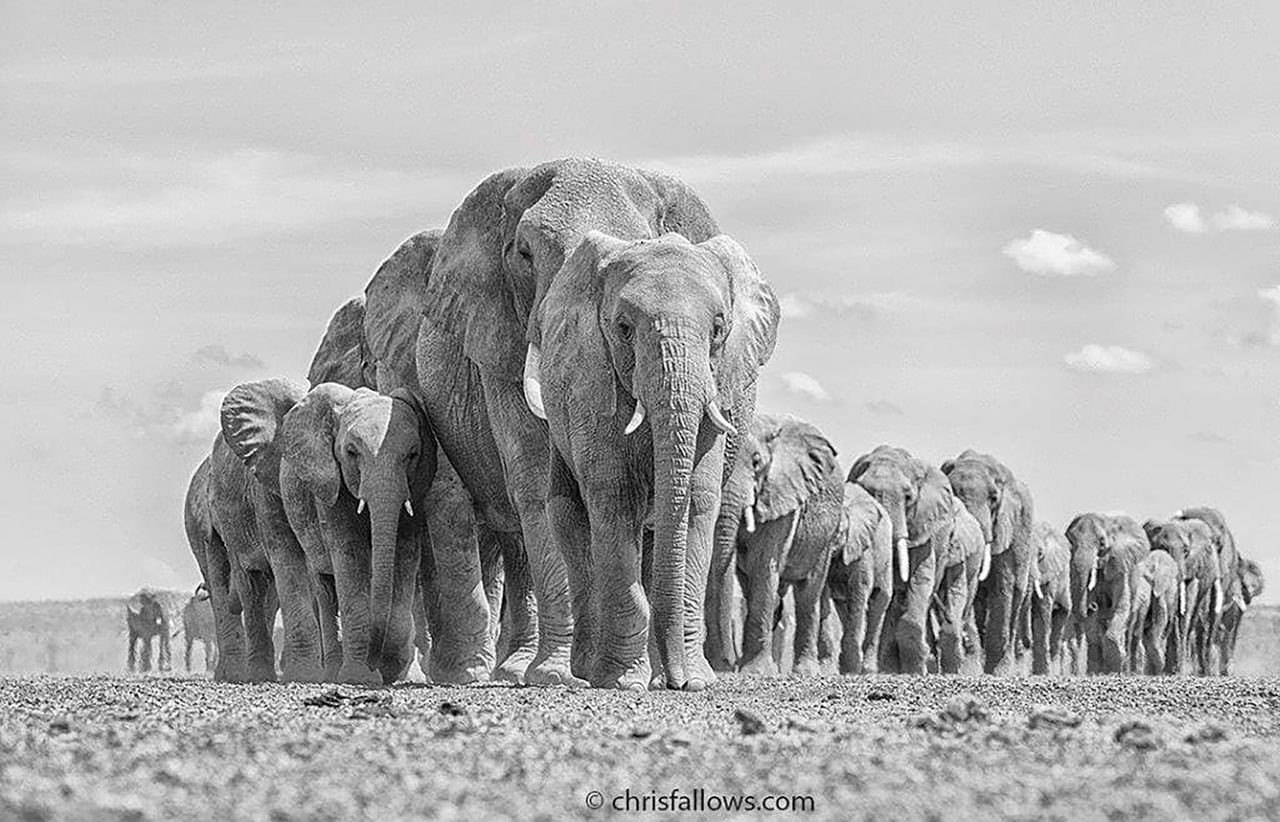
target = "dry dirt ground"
x: 867, y: 748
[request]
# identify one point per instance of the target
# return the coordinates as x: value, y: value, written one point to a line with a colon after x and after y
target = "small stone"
x: 880, y: 695
x: 61, y: 725
x: 1138, y: 735
x: 1205, y: 733
x: 451, y: 709
x: 796, y: 723
x: 749, y: 723
x: 680, y: 739
x: 1047, y: 716
x: 965, y: 708
x: 331, y: 698
x: 641, y: 732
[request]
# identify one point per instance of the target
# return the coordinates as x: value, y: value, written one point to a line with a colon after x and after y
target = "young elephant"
x: 860, y: 582
x: 334, y: 453
x: 779, y: 514
x: 1050, y: 598
x: 198, y: 626
x: 1104, y: 550
x: 919, y: 501
x: 1190, y: 543
x: 1156, y: 582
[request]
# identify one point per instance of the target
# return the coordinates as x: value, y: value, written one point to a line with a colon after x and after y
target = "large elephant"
x: 860, y: 581
x: 478, y: 353
x: 1236, y: 596
x: 1156, y: 586
x: 649, y: 354
x: 1190, y: 543
x: 1050, y: 598
x: 780, y: 512
x: 147, y: 619
x: 1003, y: 506
x: 327, y: 457
x: 919, y: 502
x: 1104, y: 550
x: 221, y: 578
x: 198, y: 626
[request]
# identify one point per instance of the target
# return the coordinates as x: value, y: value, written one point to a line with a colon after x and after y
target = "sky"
x: 1046, y: 231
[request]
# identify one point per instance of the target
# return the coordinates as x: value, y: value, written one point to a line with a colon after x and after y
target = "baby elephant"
x: 350, y: 467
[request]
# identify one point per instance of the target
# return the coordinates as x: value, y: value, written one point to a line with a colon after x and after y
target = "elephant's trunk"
x: 736, y: 510
x: 386, y: 501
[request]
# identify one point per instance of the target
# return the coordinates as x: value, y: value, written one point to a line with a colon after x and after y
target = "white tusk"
x: 360, y: 506
x: 408, y: 507
x: 904, y: 570
x: 1035, y: 587
x: 1093, y: 577
x: 749, y: 515
x: 1217, y: 597
x: 1182, y: 598
x: 637, y: 417
x: 986, y: 563
x: 1177, y: 514
x: 717, y: 417
x: 533, y: 382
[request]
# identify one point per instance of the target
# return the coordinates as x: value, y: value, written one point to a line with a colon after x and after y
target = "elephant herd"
x: 147, y: 620
x: 529, y: 452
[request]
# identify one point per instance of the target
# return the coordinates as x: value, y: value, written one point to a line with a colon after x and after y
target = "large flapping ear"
x: 862, y: 521
x: 575, y: 356
x: 1251, y: 580
x: 680, y: 209
x: 251, y: 416
x: 860, y: 466
x: 753, y: 326
x: 342, y: 355
x: 394, y: 303
x: 468, y: 287
x: 933, y: 514
x: 802, y: 464
x: 310, y: 431
x: 424, y: 471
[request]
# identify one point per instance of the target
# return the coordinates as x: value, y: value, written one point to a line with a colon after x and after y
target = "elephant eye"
x: 625, y: 330
x: 717, y: 330
x: 525, y: 253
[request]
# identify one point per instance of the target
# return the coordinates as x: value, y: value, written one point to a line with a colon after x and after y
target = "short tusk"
x: 408, y: 507
x: 1182, y: 598
x: 717, y: 417
x: 904, y: 570
x: 1035, y: 587
x: 749, y: 516
x: 1093, y: 577
x: 637, y: 417
x: 360, y: 506
x: 1217, y: 597
x: 533, y: 382
x: 986, y: 563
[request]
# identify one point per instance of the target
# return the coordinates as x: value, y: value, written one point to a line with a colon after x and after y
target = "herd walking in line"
x: 530, y: 452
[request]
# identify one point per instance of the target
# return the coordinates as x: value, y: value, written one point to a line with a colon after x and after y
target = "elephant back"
x: 395, y: 302
x: 342, y: 355
x: 864, y: 526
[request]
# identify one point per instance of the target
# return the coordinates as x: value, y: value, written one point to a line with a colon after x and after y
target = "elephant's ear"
x: 753, y: 329
x: 859, y: 467
x: 251, y: 417
x: 680, y: 209
x: 933, y: 506
x: 802, y: 464
x: 394, y: 303
x: 1251, y: 580
x: 310, y: 429
x: 342, y: 355
x: 575, y: 355
x: 948, y: 466
x: 862, y: 521
x: 425, y: 470
x: 468, y: 290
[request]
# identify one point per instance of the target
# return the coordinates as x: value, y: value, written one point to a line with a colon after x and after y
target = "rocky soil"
x: 870, y: 748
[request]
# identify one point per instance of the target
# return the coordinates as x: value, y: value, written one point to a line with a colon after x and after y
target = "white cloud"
x: 1185, y: 217
x: 798, y: 382
x: 1272, y: 295
x: 1109, y: 359
x: 1047, y: 253
x: 794, y: 306
x: 1235, y: 218
x: 201, y: 424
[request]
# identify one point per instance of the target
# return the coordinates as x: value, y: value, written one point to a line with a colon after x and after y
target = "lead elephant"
x: 1050, y: 598
x: 478, y: 352
x: 649, y: 355
x: 1105, y: 548
x: 147, y: 620
x: 780, y: 511
x: 860, y: 581
x: 1003, y: 506
x: 1190, y: 543
x: 198, y: 626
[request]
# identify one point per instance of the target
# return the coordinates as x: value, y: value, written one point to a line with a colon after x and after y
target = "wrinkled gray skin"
x: 648, y: 352
x: 327, y: 457
x: 198, y: 626
x: 1156, y: 584
x: 1240, y: 582
x: 860, y: 581
x: 780, y: 512
x: 919, y: 502
x: 1190, y: 543
x: 503, y: 249
x: 147, y: 619
x: 961, y: 557
x: 1003, y: 507
x: 1050, y: 599
x: 220, y: 578
x: 1105, y: 548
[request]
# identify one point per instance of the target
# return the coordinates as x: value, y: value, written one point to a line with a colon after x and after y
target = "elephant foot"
x: 355, y: 673
x: 260, y: 672
x: 622, y: 676
x: 761, y: 665
x: 720, y: 664
x: 554, y: 668
x: 514, y: 667
x: 309, y: 674
x: 332, y: 672
x: 806, y: 667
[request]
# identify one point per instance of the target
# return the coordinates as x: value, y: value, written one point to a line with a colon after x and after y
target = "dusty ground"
x: 888, y: 748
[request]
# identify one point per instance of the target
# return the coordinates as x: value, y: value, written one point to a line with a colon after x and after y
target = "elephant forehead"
x: 367, y: 416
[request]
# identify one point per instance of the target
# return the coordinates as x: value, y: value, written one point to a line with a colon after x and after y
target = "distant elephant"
x: 1003, y: 506
x: 1104, y: 550
x: 649, y: 348
x: 147, y: 619
x: 326, y: 457
x: 1236, y: 595
x: 1050, y: 598
x: 198, y: 626
x: 961, y: 555
x: 478, y: 363
x: 860, y: 581
x: 1191, y: 544
x: 779, y: 515
x: 1251, y: 586
x: 919, y: 502
x: 1156, y: 585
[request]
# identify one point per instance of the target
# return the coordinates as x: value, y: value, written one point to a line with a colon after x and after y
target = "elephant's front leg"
x: 521, y: 611
x: 227, y: 623
x: 455, y: 600
x: 567, y: 516
x: 909, y: 632
x: 351, y: 572
x: 954, y: 590
x: 166, y: 651
x: 761, y: 561
x: 1114, y: 629
x: 133, y: 651
x: 259, y: 615
x: 1001, y: 612
x: 493, y: 580
x: 808, y: 595
x: 327, y: 613
x: 617, y: 599
x: 145, y: 665
x: 1041, y: 614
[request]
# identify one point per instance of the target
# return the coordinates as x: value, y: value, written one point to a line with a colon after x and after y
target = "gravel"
x: 856, y: 748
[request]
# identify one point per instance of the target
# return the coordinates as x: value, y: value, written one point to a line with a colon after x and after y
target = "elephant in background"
x: 1104, y: 550
x: 1190, y: 542
x: 198, y: 626
x: 960, y: 563
x: 1003, y: 506
x: 1236, y: 596
x: 780, y: 511
x: 860, y: 581
x: 327, y: 457
x: 343, y: 355
x: 1156, y: 584
x: 1050, y: 598
x: 649, y: 353
x: 919, y: 502
x: 147, y: 619
x: 478, y: 362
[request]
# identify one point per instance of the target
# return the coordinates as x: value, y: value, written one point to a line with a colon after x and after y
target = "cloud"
x: 201, y: 424
x: 1235, y: 218
x: 884, y: 408
x: 794, y: 306
x: 1186, y: 217
x: 220, y: 356
x: 1047, y: 253
x: 163, y: 415
x: 866, y: 306
x: 798, y: 382
x: 1109, y: 359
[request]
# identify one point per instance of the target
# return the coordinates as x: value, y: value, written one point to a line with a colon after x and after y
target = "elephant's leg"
x: 1156, y: 636
x: 453, y: 592
x: 855, y: 613
x: 762, y: 597
x: 165, y: 649
x: 227, y: 622
x: 828, y: 630
x: 1114, y: 631
x: 259, y: 618
x: 302, y: 649
x: 1041, y: 615
x: 722, y: 654
x: 145, y: 663
x: 326, y: 591
x: 1057, y: 627
x: 808, y: 594
x: 622, y: 657
x: 351, y: 575
x: 1000, y: 613
x: 186, y: 654
x: 784, y: 629
x: 133, y: 651
x: 909, y: 632
x: 493, y: 580
x: 521, y: 611
x: 954, y: 589
x: 567, y: 516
